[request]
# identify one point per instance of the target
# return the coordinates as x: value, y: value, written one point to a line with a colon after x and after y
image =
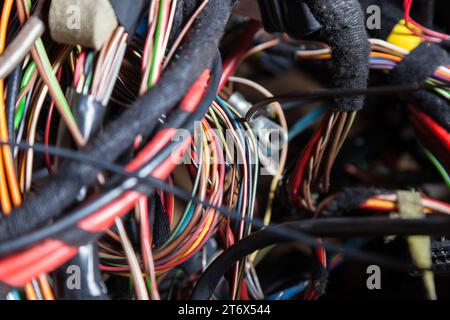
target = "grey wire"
x: 20, y: 46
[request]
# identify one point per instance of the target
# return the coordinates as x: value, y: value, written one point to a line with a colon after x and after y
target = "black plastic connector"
x: 88, y: 113
x: 129, y: 15
x: 89, y: 285
x: 290, y: 16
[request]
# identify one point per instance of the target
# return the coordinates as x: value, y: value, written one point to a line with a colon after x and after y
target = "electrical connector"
x: 82, y: 22
x: 290, y: 16
x: 129, y: 15
x: 271, y: 136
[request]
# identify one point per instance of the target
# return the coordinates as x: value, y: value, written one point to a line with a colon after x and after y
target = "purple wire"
x: 439, y: 77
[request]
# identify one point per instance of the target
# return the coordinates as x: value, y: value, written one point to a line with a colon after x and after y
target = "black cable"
x: 11, y: 99
x: 335, y: 93
x: 140, y: 118
x: 183, y: 12
x: 350, y: 199
x: 344, y: 29
x: 352, y: 227
x: 319, y: 227
x: 21, y: 241
x: 419, y: 64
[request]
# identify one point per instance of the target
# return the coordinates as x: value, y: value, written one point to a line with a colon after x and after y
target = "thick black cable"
x: 69, y: 221
x: 431, y: 103
x: 344, y: 28
x: 351, y: 227
x: 20, y: 242
x: 343, y: 227
x: 141, y: 118
x: 336, y: 93
x: 183, y: 12
x: 11, y: 99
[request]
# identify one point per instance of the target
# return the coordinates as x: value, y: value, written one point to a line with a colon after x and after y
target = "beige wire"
x: 282, y: 119
x: 148, y: 254
x: 32, y: 138
x: 139, y: 283
x: 60, y: 103
x: 261, y: 47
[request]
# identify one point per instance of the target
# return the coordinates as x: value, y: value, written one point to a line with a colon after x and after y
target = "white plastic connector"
x: 270, y: 135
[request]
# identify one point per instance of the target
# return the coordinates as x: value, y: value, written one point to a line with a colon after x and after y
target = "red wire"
x: 18, y: 269
x: 79, y: 65
x: 47, y: 130
x: 114, y: 269
x: 311, y: 294
x: 47, y: 256
x: 299, y: 172
x: 321, y: 254
x: 104, y: 218
x: 435, y: 137
x: 216, y: 201
x: 442, y: 134
x: 244, y: 291
x: 434, y: 35
x: 232, y: 62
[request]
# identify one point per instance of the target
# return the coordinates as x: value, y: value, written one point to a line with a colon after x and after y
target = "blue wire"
x: 15, y: 295
x: 306, y: 122
x: 239, y: 131
x: 356, y: 243
x: 288, y: 293
x: 190, y: 213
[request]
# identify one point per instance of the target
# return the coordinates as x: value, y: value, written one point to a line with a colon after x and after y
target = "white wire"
x: 389, y: 45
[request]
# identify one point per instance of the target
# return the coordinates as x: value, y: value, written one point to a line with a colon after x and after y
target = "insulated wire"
x: 283, y: 157
x: 439, y: 167
x: 117, y: 169
x: 40, y: 57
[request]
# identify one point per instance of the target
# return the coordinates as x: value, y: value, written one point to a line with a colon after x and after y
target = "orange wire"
x: 325, y: 56
x: 442, y: 73
x: 7, y: 153
x: 4, y: 193
x: 21, y: 170
x: 45, y: 286
x: 387, y: 205
x: 29, y: 291
x: 8, y: 161
x: 381, y: 204
x: 385, y: 56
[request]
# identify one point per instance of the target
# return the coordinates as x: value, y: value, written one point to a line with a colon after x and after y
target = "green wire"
x: 440, y: 168
x: 25, y: 80
x: 28, y: 3
x: 88, y: 68
x: 148, y: 282
x: 53, y: 80
x: 256, y: 164
x: 184, y: 216
x: 439, y: 90
x: 155, y: 47
x: 39, y: 45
